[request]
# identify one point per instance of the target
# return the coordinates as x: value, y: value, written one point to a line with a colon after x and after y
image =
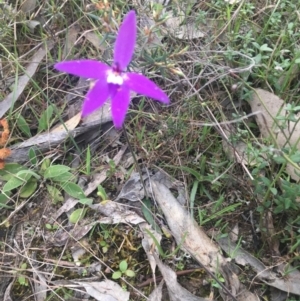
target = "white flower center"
x: 114, y: 78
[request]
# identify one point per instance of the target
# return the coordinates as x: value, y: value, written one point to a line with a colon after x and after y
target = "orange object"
x: 4, y: 135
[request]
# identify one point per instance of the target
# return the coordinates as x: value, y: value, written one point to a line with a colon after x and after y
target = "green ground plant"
x: 123, y: 270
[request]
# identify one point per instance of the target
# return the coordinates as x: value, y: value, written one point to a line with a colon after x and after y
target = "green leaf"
x: 77, y: 215
x: 23, y: 281
x: 112, y: 164
x: 32, y: 156
x: 48, y: 226
x: 102, y: 243
x: 55, y: 194
x: 265, y: 47
x: 73, y: 190
x: 116, y: 275
x: 101, y: 193
x: 159, y: 248
x: 29, y: 188
x: 193, y: 172
x: 146, y: 209
x: 258, y: 58
x: 3, y: 200
x: 287, y: 204
x: 88, y: 160
x: 55, y: 171
x: 123, y: 266
x: 220, y: 213
x: 256, y: 45
x: 44, y: 121
x: 10, y: 170
x: 23, y: 126
x: 266, y: 181
x: 65, y: 177
x: 86, y: 201
x: 279, y: 159
x: 28, y: 174
x: 296, y: 157
x: 16, y: 182
x: 273, y: 190
x: 130, y: 273
x: 45, y: 164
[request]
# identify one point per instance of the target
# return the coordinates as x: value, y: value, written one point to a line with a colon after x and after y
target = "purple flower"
x: 114, y: 82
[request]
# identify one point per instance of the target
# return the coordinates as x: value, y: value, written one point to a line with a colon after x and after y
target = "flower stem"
x: 135, y: 160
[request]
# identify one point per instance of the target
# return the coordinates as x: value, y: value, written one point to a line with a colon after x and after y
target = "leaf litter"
x: 209, y: 252
x: 189, y: 236
x: 194, y: 240
x: 271, y: 107
x: 105, y: 290
x: 8, y: 102
x: 46, y: 141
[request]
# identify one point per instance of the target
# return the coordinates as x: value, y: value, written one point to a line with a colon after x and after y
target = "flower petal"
x: 119, y: 106
x: 125, y: 42
x: 84, y: 68
x: 143, y: 85
x: 96, y: 97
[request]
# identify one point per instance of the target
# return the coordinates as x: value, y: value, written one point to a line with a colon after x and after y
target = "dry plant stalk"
x: 4, y: 135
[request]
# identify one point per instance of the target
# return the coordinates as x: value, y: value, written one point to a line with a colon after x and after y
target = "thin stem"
x: 135, y: 160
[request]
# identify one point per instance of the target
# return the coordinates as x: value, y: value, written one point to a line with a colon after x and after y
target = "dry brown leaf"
x: 234, y: 233
x: 68, y: 125
x: 194, y: 240
x: 40, y: 285
x: 111, y: 213
x: 28, y: 6
x: 186, y: 231
x: 7, y: 296
x: 32, y: 24
x: 116, y: 213
x: 278, y: 295
x: 149, y: 245
x: 71, y: 37
x: 187, y: 30
x: 237, y: 150
x: 133, y: 190
x: 94, y: 39
x: 78, y: 251
x: 23, y: 80
x: 289, y: 284
x: 106, y: 290
x: 45, y: 141
x: 156, y: 295
x: 62, y: 236
x: 176, y: 291
x: 271, y: 106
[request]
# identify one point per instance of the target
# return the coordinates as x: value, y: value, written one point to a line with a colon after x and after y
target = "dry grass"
x: 209, y: 79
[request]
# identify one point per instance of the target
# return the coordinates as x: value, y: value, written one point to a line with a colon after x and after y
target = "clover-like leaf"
x: 123, y: 266
x: 130, y: 273
x: 116, y: 275
x: 54, y: 171
x: 29, y: 188
x: 73, y: 190
x: 77, y: 215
